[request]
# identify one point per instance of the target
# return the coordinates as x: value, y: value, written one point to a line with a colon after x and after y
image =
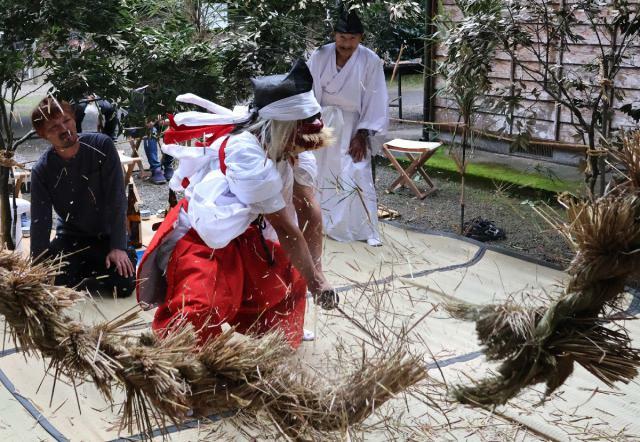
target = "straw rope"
x: 165, y: 380
x: 542, y: 344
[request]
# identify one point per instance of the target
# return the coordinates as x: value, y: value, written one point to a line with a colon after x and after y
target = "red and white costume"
x: 209, y: 262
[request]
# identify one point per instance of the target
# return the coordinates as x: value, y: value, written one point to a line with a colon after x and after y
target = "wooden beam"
x: 429, y: 74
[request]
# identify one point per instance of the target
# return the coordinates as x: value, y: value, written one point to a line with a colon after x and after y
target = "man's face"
x: 60, y: 131
x: 346, y: 44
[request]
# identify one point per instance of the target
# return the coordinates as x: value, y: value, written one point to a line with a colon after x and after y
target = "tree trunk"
x: 429, y: 71
x: 5, y: 209
x: 465, y: 141
x: 593, y: 169
x: 606, y: 133
x: 6, y: 141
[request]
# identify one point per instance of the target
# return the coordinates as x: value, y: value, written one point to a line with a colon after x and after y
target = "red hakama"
x: 236, y: 285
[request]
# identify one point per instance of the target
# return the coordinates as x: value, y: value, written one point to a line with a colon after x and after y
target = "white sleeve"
x: 193, y: 163
x: 375, y: 98
x: 315, y: 67
x: 215, y: 214
x: 305, y: 171
x: 252, y: 177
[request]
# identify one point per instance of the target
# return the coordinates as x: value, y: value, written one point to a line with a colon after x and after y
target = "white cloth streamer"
x: 204, y: 103
x: 194, y: 118
x: 216, y: 114
x: 297, y: 107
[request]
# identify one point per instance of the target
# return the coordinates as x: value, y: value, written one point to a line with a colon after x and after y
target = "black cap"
x: 348, y: 23
x: 271, y: 88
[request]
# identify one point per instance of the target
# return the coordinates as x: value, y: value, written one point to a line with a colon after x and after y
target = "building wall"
x: 552, y: 122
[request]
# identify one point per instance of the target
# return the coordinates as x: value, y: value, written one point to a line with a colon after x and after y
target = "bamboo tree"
x: 470, y: 45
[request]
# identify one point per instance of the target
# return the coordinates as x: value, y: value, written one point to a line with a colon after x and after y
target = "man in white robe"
x: 349, y: 84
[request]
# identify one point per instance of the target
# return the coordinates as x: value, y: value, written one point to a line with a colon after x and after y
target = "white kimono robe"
x: 221, y: 207
x: 354, y: 97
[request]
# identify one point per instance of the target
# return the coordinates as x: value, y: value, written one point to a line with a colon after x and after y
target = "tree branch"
x: 5, y: 127
x: 22, y: 97
x: 29, y: 135
x: 565, y: 102
x: 594, y: 27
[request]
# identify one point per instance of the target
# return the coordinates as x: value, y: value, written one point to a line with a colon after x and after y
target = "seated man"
x: 232, y: 251
x: 81, y: 179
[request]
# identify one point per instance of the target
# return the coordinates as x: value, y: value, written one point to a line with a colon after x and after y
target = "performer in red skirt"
x: 245, y: 243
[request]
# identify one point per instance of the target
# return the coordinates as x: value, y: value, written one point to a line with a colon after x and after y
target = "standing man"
x: 144, y: 124
x: 161, y: 169
x: 80, y: 177
x: 349, y: 84
x: 95, y: 114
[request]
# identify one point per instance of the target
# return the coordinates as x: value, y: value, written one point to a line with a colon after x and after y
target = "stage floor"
x: 388, y: 289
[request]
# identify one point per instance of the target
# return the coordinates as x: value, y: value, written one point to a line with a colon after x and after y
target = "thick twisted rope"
x: 168, y: 379
x: 542, y: 344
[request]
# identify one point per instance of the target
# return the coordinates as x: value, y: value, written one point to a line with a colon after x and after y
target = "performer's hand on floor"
x: 358, y: 147
x: 120, y: 259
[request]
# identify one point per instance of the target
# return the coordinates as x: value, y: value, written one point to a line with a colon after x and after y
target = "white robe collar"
x: 341, y: 77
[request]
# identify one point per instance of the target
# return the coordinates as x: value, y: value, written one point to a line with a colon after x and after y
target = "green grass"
x: 502, y: 174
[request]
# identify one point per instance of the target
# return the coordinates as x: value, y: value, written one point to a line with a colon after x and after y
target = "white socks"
x: 308, y: 335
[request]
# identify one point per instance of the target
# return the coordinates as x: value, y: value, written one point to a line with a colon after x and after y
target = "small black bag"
x: 483, y: 230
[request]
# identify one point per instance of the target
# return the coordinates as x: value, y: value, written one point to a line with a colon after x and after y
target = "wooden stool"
x: 128, y: 165
x: 135, y: 136
x: 425, y: 150
x: 135, y: 145
x: 21, y: 176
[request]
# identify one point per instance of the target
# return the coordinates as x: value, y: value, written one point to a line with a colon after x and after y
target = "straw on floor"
x: 542, y: 344
x: 166, y: 380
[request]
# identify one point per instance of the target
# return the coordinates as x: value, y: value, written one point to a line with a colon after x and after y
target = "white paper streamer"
x: 204, y: 103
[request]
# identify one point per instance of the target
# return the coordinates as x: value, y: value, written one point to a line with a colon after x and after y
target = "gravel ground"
x: 526, y: 232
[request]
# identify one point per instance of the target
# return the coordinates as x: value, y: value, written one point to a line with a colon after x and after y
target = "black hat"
x: 276, y: 87
x: 348, y: 23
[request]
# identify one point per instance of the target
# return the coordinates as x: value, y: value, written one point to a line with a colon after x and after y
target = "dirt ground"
x: 526, y: 232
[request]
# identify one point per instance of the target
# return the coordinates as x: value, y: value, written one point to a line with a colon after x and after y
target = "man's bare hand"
x: 120, y: 259
x: 358, y: 147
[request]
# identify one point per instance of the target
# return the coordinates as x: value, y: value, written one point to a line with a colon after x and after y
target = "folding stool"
x: 424, y: 150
